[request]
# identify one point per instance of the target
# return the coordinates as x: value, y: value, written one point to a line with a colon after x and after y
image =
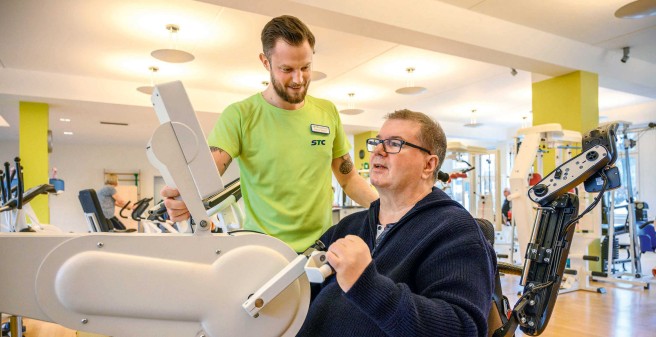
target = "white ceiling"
x: 87, y: 57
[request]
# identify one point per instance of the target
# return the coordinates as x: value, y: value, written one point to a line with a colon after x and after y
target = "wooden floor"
x: 44, y: 329
x: 623, y: 311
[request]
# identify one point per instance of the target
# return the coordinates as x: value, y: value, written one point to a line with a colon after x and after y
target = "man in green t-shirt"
x: 286, y: 144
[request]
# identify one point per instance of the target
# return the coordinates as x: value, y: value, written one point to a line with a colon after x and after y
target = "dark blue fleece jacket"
x: 431, y: 275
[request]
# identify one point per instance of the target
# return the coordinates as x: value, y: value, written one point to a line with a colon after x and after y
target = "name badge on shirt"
x: 316, y: 128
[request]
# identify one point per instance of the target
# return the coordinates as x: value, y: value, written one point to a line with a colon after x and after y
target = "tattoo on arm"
x: 218, y: 149
x: 347, y: 165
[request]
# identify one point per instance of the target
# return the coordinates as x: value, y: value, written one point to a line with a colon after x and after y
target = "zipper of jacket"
x: 372, y: 225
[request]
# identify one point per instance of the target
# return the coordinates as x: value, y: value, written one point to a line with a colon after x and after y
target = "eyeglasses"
x: 391, y: 145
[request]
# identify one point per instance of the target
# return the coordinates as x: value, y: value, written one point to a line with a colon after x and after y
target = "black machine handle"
x: 140, y: 207
x: 120, y: 213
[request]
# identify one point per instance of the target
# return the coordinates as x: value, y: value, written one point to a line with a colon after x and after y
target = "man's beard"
x: 282, y: 93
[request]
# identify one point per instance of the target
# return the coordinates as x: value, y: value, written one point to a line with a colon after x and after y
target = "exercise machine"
x: 200, y: 284
x: 553, y: 230
x: 610, y: 273
x: 15, y: 207
x: 522, y: 207
x: 474, y: 179
x: 14, y: 211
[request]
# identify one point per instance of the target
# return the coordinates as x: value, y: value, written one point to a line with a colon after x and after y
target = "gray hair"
x: 430, y: 134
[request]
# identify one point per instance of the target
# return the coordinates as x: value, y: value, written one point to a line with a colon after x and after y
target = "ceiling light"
x: 317, y: 76
x: 172, y: 54
x: 351, y: 110
x: 65, y: 120
x: 68, y: 133
x: 637, y: 9
x: 410, y: 88
x: 148, y: 90
x: 3, y: 122
x: 472, y: 120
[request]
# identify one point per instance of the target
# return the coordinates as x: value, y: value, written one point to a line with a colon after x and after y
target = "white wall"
x: 82, y: 167
x: 8, y: 150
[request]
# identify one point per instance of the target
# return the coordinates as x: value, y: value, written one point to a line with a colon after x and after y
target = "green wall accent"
x: 33, y: 151
x: 594, y: 249
x: 572, y: 100
x: 360, y: 144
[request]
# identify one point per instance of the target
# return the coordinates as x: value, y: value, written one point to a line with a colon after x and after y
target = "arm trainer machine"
x: 557, y: 214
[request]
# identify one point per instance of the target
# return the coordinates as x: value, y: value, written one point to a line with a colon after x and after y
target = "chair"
x: 93, y: 213
x: 500, y: 308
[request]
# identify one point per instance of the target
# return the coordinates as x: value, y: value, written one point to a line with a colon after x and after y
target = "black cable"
x: 533, y: 291
x: 245, y: 230
x: 594, y: 202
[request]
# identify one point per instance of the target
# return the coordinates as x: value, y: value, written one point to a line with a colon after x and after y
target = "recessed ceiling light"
x: 68, y: 133
x: 65, y: 120
x: 3, y: 122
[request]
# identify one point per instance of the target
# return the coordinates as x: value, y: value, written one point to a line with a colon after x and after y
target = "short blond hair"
x: 111, y: 179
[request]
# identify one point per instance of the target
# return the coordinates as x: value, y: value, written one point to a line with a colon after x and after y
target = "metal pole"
x: 611, y: 235
x: 16, y: 326
x: 534, y: 235
x: 636, y: 268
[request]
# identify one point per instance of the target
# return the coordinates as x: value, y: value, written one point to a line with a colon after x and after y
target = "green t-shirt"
x: 285, y: 161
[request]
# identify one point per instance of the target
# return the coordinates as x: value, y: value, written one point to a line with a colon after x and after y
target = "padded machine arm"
x: 557, y: 214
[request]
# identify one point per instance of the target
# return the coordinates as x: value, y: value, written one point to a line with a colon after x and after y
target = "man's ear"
x: 265, y: 62
x: 431, y: 165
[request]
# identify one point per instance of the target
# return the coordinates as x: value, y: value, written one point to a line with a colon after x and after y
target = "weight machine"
x: 474, y: 180
x: 522, y: 207
x: 635, y: 275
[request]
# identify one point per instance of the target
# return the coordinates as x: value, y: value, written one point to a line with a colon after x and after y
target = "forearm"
x: 118, y: 201
x: 221, y: 158
x: 359, y: 190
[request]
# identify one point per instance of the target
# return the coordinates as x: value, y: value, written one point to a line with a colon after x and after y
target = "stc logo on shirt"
x: 318, y: 142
